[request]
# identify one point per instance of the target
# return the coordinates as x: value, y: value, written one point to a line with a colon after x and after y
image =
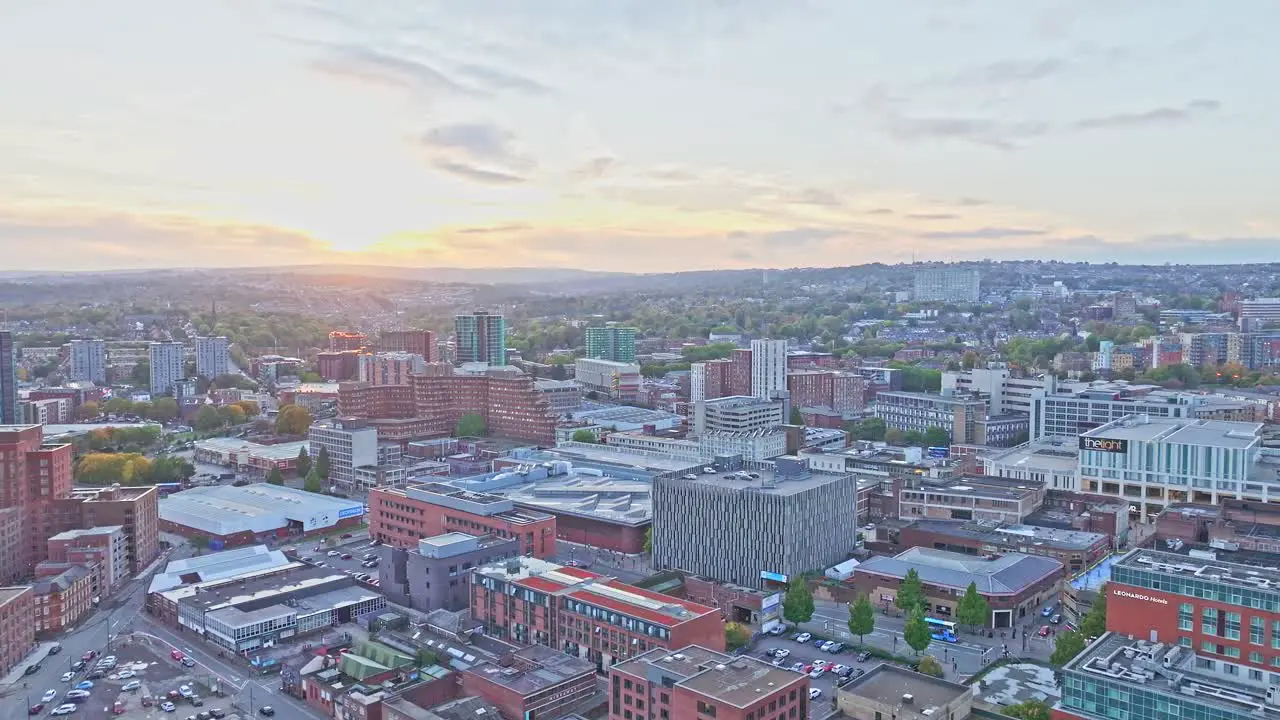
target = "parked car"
x: 77, y: 666
x: 176, y: 655
x: 75, y: 695
x: 825, y: 645
x: 131, y: 685
x: 49, y: 696
x: 266, y: 710
x: 782, y: 653
x: 346, y: 536
x: 816, y: 673
x: 84, y: 685
x: 370, y: 556
x: 864, y: 656
x: 814, y: 693
x: 125, y: 674
x: 333, y: 553
x: 345, y: 556
x: 798, y: 667
x: 217, y: 713
x: 1044, y: 631
x: 168, y: 706
x: 55, y: 648
x: 96, y: 674
x: 89, y: 656
x: 836, y: 648
x: 32, y: 669
x: 185, y: 691
x: 65, y: 709
x: 68, y: 676
x: 777, y: 630
x: 35, y: 709
x: 803, y: 638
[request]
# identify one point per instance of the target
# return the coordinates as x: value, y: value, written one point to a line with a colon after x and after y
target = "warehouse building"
x: 230, y: 516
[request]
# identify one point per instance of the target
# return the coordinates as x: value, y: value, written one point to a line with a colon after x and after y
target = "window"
x: 1256, y: 658
x: 1233, y: 626
x: 1209, y: 621
x: 1255, y: 630
x: 1186, y: 617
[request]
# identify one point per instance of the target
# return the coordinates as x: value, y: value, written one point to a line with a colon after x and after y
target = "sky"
x: 636, y: 135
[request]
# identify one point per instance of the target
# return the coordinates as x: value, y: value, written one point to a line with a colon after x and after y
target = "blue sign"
x: 776, y: 577
x: 356, y: 511
x: 939, y: 452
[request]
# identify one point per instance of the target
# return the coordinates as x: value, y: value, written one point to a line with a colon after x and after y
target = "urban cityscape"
x: 639, y: 361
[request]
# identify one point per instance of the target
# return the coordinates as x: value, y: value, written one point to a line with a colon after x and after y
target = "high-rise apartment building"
x: 212, y: 357
x: 480, y: 337
x: 740, y: 372
x: 768, y: 368
x: 414, y: 342
x: 947, y: 284
x: 709, y: 380
x: 166, y: 360
x: 343, y: 341
x: 88, y: 361
x: 611, y: 343
x: 36, y: 476
x: 389, y: 368
x: 10, y: 409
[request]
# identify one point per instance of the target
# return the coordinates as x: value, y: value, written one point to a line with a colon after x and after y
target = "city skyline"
x: 628, y: 136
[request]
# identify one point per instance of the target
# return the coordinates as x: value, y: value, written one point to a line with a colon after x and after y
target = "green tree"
x: 140, y: 376
x: 973, y: 609
x: 910, y: 597
x: 207, y: 419
x: 797, y: 604
x: 916, y: 631
x: 936, y: 437
x: 735, y: 635
x: 163, y: 410
x: 1095, y: 621
x: 584, y: 436
x: 1029, y: 710
x: 275, y: 477
x: 648, y: 540
x: 869, y: 429
x: 470, y: 425
x: 293, y: 420
x: 929, y: 665
x: 796, y: 417
x: 231, y: 414
x: 322, y: 463
x: 862, y: 617
x: 1066, y: 646
x: 313, y: 483
x: 896, y: 437
x: 913, y: 438
x: 304, y: 462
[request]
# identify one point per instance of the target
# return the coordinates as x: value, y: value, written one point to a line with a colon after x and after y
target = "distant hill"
x: 470, y: 276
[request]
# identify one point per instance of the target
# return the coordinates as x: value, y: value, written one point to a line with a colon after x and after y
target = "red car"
x: 35, y: 709
x: 1044, y: 631
x: 89, y: 655
x: 176, y: 655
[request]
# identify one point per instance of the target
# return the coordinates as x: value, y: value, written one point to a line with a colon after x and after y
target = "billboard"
x: 775, y: 577
x: 355, y: 511
x: 1111, y: 445
x: 769, y: 606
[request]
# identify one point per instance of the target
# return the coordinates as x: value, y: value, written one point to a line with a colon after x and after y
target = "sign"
x: 775, y: 577
x: 1110, y: 445
x: 1144, y: 598
x: 939, y: 452
x: 345, y: 513
x: 769, y: 605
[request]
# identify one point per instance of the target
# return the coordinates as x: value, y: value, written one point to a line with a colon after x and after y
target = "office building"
x: 401, y: 516
x: 890, y: 691
x: 1259, y: 313
x: 1151, y: 462
x: 336, y: 366
x: 737, y: 414
x: 414, y: 342
x: 1052, y: 461
x: 350, y: 445
x: 595, y: 617
x: 212, y: 357
x: 1068, y: 409
x: 947, y: 284
x: 591, y: 505
x: 1004, y: 394
x: 10, y: 411
x: 768, y: 368
x: 167, y: 366
x: 774, y: 515
x: 436, y: 573
x: 618, y: 380
x: 563, y: 396
x: 611, y: 343
x: 17, y: 626
x: 480, y: 338
x: 971, y: 497
x: 696, y: 682
x: 230, y: 516
x: 88, y: 360
x: 1014, y: 585
x: 342, y: 341
x: 389, y: 368
x: 909, y: 411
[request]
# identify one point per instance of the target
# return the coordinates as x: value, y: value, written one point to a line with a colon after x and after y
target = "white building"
x: 1053, y: 461
x: 616, y: 379
x: 1067, y: 409
x: 89, y: 361
x: 1153, y: 462
x: 948, y: 284
x: 212, y: 358
x: 166, y: 360
x: 737, y: 414
x: 697, y: 382
x: 1004, y: 394
x: 348, y: 449
x: 768, y: 368
x: 1260, y: 312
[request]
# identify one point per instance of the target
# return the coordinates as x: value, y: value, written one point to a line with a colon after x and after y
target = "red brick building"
x: 401, y: 516
x: 136, y: 509
x: 810, y: 388
x: 739, y: 372
x: 694, y: 682
x: 62, y: 599
x: 592, y: 616
x: 341, y: 341
x: 533, y: 682
x: 38, y: 475
x: 17, y: 626
x: 337, y: 366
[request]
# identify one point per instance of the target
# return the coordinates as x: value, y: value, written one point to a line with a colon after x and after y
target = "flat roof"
x: 987, y: 486
x: 261, y: 507
x: 254, y: 559
x: 638, y: 459
x: 533, y: 669
x: 1182, y: 566
x: 1056, y: 454
x: 279, y: 451
x: 886, y: 684
x: 741, y: 681
x: 86, y: 532
x: 1013, y: 533
x: 1209, y: 433
x: 611, y: 500
x: 1008, y: 574
x: 769, y: 482
x: 224, y: 593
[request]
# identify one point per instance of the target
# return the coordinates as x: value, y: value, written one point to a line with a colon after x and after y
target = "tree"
x: 470, y: 425
x: 313, y: 483
x: 862, y: 617
x: 293, y: 420
x: 207, y: 419
x: 232, y: 414
x: 913, y: 438
x: 275, y: 477
x: 894, y: 436
x: 1066, y: 646
x: 929, y: 665
x: 1029, y: 710
x: 796, y: 417
x: 869, y: 429
x: 88, y: 411
x: 1095, y: 621
x: 648, y: 540
x: 910, y: 597
x: 916, y: 631
x: 118, y: 406
x: 973, y: 609
x: 322, y: 463
x: 164, y: 410
x: 969, y: 360
x: 797, y: 604
x: 140, y: 376
x: 304, y: 462
x: 937, y: 437
x: 584, y: 436
x: 735, y: 635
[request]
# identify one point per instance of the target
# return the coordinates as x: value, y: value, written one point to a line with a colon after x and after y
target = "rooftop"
x: 1205, y: 433
x: 280, y: 451
x: 985, y: 486
x: 1228, y: 573
x: 635, y: 459
x: 1013, y: 534
x: 1008, y: 574
x: 533, y: 669
x: 221, y: 593
x: 886, y: 684
x: 240, y: 562
x: 612, y: 500
x: 626, y: 414
x: 261, y: 507
x: 9, y: 593
x: 768, y: 481
x: 1055, y: 454
x: 87, y: 532
x: 738, y: 681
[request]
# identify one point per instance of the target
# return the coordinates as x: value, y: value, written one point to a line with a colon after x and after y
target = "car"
x: 333, y: 553
x: 204, y: 715
x: 798, y: 667
x: 839, y: 669
x: 782, y: 653
x: 77, y: 666
x: 89, y: 655
x: 1056, y: 619
x: 176, y: 655
x: 814, y: 693
x: 346, y: 536
x: 803, y: 638
x: 864, y: 656
x: 816, y: 673
x: 125, y: 674
x: 49, y: 696
x: 846, y: 672
x: 1044, y: 631
x: 823, y: 645
x: 777, y: 662
x: 374, y: 582
x: 188, y: 662
x: 196, y: 701
x: 859, y: 673
x: 1047, y: 611
x: 131, y: 685
x: 777, y: 630
x: 369, y: 556
x: 168, y: 706
x: 836, y: 648
x: 66, y: 709
x: 185, y: 691
x: 345, y: 556
x: 68, y: 676
x: 318, y: 548
x: 266, y: 710
x: 55, y: 648
x: 77, y: 695
x: 96, y: 675
x: 35, y: 709
x: 118, y: 707
x: 32, y: 669
x: 369, y: 564
x: 217, y: 713
x: 109, y: 659
x: 84, y: 685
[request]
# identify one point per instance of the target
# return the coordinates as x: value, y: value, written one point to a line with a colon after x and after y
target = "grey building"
x: 435, y: 575
x: 738, y: 414
x: 958, y: 415
x: 948, y: 284
x: 755, y: 526
x: 88, y: 361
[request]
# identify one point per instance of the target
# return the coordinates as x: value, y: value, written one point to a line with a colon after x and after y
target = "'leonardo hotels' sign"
x: 1144, y: 598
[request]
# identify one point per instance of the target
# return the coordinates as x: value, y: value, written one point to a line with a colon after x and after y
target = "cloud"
x: 815, y: 196
x: 498, y: 80
x: 985, y: 233
x: 1008, y: 72
x: 369, y: 66
x: 595, y: 168
x: 932, y: 216
x: 880, y: 211
x: 987, y: 132
x: 1156, y: 116
x: 481, y: 152
x: 791, y: 237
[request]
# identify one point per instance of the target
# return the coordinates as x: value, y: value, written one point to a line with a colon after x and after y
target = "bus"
x: 944, y: 630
